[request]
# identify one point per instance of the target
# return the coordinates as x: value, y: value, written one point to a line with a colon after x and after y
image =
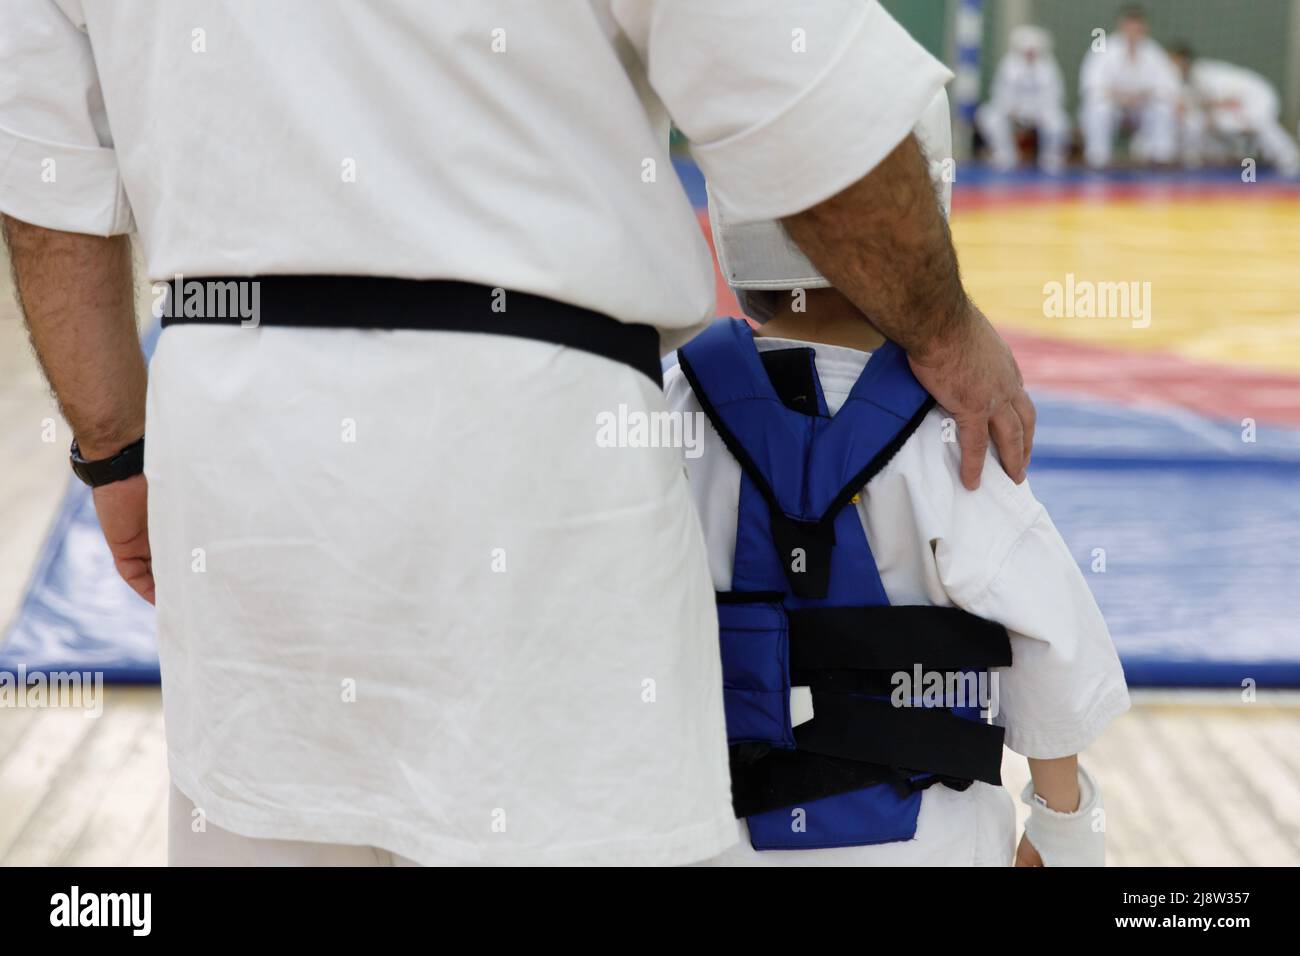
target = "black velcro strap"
x: 748, y: 597
x: 847, y: 681
x: 893, y: 638
x: 910, y: 738
x: 804, y: 548
x: 794, y: 377
x: 787, y: 778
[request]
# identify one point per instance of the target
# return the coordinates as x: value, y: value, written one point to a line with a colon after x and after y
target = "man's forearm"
x: 883, y: 242
x: 77, y: 294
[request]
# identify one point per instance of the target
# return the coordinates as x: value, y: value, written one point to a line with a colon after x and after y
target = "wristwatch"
x: 125, y: 464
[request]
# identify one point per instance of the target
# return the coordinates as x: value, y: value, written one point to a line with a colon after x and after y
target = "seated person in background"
x: 1225, y: 101
x: 869, y: 605
x: 1129, y: 80
x: 1027, y: 91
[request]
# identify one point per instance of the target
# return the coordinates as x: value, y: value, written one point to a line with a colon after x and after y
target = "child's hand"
x: 1026, y: 855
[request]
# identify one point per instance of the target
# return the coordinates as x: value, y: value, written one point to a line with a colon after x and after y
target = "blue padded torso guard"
x: 803, y: 464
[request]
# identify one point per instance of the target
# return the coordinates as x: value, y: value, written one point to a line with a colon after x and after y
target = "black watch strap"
x: 125, y: 464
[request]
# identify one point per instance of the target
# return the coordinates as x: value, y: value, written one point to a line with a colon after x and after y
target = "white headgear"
x: 758, y: 259
x: 1031, y: 39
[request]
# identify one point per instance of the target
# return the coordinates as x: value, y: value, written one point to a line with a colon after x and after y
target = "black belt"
x: 383, y: 302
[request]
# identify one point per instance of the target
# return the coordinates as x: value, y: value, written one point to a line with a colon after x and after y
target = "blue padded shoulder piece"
x: 800, y: 470
x: 808, y: 466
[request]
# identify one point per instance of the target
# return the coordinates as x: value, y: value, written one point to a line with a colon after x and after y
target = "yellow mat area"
x: 1223, y: 272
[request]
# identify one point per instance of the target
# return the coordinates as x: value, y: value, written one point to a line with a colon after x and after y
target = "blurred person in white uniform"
x: 1131, y: 80
x: 994, y: 553
x: 409, y: 606
x: 1027, y: 91
x: 1225, y: 101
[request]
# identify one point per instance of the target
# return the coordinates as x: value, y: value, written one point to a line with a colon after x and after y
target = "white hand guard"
x: 1068, y: 839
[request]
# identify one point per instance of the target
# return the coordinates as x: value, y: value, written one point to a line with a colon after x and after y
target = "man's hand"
x: 123, y: 512
x: 884, y: 243
x: 975, y: 376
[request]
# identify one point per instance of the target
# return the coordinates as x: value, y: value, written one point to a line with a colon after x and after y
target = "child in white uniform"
x: 993, y: 552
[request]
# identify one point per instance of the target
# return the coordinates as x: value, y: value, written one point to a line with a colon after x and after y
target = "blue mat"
x: 975, y: 176
x: 1201, y: 534
x: 78, y: 614
x: 1201, y: 567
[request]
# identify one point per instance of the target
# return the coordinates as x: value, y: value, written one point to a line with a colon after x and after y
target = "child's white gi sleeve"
x: 1003, y: 559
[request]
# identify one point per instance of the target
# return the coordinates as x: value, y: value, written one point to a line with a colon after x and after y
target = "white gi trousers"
x: 997, y: 120
x: 1205, y: 131
x: 1155, y: 138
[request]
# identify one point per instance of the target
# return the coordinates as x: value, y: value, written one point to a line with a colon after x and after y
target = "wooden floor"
x: 82, y: 791
x: 1185, y: 782
x: 1188, y: 779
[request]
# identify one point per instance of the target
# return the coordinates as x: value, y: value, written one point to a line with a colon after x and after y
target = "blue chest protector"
x: 807, y: 608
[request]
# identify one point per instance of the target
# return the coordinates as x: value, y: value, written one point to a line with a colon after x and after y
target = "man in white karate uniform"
x: 409, y: 608
x: 1027, y: 91
x: 1129, y: 79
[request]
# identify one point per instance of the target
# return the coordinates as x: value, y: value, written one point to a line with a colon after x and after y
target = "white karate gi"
x: 1226, y: 100
x: 993, y: 552
x: 1027, y: 90
x: 1143, y: 75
